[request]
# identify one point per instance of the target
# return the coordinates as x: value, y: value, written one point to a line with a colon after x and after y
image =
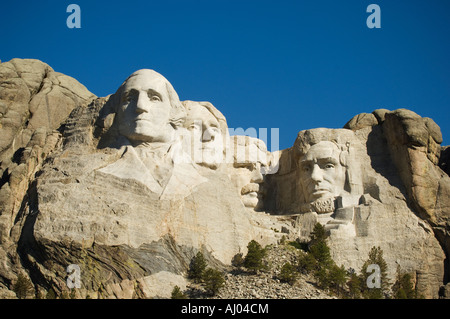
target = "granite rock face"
x: 371, y: 208
x: 34, y: 101
x: 98, y: 203
x: 129, y: 187
x: 421, y: 163
x: 414, y: 144
x: 444, y: 160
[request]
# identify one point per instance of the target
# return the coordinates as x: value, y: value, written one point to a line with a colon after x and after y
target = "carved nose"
x: 141, y: 103
x: 316, y: 174
x: 257, y: 176
x: 208, y: 135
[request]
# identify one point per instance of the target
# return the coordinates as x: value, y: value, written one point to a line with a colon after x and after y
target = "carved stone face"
x: 145, y: 108
x: 205, y: 136
x: 321, y: 173
x: 249, y: 158
x: 248, y: 179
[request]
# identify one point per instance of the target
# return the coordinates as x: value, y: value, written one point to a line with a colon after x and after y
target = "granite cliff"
x: 131, y: 186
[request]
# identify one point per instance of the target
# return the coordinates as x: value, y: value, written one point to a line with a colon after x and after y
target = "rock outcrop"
x: 129, y: 187
x: 414, y: 147
x: 372, y: 210
x: 444, y: 160
x: 92, y: 205
x: 34, y: 101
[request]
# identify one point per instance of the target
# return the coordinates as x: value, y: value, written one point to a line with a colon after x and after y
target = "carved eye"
x: 306, y: 169
x: 329, y: 165
x: 194, y: 126
x: 126, y: 97
x: 155, y: 98
x: 249, y: 166
x: 129, y: 96
x: 213, y: 130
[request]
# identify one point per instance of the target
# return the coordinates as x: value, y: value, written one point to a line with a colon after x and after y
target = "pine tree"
x: 306, y: 263
x: 253, y: 261
x: 375, y: 258
x: 288, y: 273
x: 214, y: 280
x: 197, y: 267
x: 321, y: 252
x: 338, y: 277
x: 238, y: 260
x: 318, y: 234
x: 403, y: 288
x: 354, y: 284
x: 323, y: 280
x: 23, y: 287
x: 318, y: 247
x: 177, y: 293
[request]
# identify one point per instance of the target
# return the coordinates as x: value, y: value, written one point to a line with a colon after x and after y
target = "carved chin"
x: 151, y: 136
x: 250, y: 200
x: 320, y: 206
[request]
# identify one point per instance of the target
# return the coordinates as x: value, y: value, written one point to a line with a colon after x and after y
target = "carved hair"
x: 340, y: 138
x: 343, y: 151
x: 308, y: 138
x: 223, y: 126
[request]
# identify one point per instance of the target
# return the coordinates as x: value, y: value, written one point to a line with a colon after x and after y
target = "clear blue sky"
x: 291, y: 65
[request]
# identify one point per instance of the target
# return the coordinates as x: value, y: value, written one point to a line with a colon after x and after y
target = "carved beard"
x: 320, y: 206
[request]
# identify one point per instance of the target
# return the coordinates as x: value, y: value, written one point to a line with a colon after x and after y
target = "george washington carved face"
x: 149, y: 108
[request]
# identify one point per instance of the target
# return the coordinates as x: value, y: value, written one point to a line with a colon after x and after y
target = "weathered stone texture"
x: 79, y: 186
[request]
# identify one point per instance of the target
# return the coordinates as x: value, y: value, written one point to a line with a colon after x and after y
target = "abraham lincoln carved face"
x: 322, y: 175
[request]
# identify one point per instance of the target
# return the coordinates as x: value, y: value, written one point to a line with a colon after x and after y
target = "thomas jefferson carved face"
x: 321, y: 172
x: 205, y: 135
x: 145, y: 108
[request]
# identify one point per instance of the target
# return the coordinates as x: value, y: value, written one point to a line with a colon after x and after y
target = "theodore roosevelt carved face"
x: 249, y: 160
x: 149, y: 109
